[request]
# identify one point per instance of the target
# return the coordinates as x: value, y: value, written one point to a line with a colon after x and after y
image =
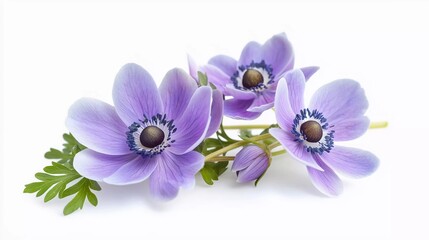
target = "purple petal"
x: 340, y: 100
x: 216, y: 113
x: 230, y: 90
x: 174, y: 171
x: 246, y: 156
x: 254, y: 171
x: 295, y: 149
x: 251, y: 162
x: 325, y: 181
x: 193, y: 124
x: 176, y: 90
x: 216, y: 76
x: 351, y: 162
x: 97, y: 166
x: 134, y: 171
x: 350, y: 129
x: 135, y: 94
x: 284, y: 113
x: 309, y: 71
x: 237, y: 109
x: 296, y: 85
x: 225, y: 63
x: 277, y: 52
x: 193, y: 68
x: 96, y: 125
x: 251, y: 52
x: 263, y: 101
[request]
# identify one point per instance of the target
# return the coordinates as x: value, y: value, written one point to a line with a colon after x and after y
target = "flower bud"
x: 250, y: 163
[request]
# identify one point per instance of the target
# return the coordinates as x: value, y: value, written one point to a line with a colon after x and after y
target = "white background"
x: 56, y: 52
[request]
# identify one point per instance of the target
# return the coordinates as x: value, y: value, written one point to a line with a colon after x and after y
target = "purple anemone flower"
x: 252, y: 80
x: 150, y: 133
x: 336, y: 112
x: 217, y: 101
x: 250, y: 163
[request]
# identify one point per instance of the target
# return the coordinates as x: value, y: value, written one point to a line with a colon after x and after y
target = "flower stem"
x: 378, y: 125
x: 254, y: 126
x: 231, y: 158
x: 274, y: 145
x: 237, y: 145
x: 280, y: 152
x: 221, y: 159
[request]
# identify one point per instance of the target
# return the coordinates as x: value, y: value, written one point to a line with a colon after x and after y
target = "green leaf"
x: 70, y: 139
x: 223, y: 136
x: 94, y: 185
x: 57, y: 169
x: 92, y: 198
x: 61, y: 180
x: 211, y: 145
x: 44, y: 176
x: 245, y: 133
x: 54, y: 192
x: 202, y: 78
x: 212, y: 86
x: 33, y: 187
x: 43, y: 189
x: 71, y: 147
x: 221, y: 167
x: 211, y: 171
x: 213, y: 174
x: 76, y: 203
x: 53, y: 154
x: 200, y: 148
x: 74, y: 189
x: 206, y: 176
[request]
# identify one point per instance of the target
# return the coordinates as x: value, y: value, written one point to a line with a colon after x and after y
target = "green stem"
x: 237, y: 145
x: 374, y: 125
x: 221, y: 159
x: 280, y: 152
x: 274, y: 145
x: 231, y: 158
x: 254, y: 126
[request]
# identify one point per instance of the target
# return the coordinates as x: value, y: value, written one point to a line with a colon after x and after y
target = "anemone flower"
x: 250, y: 163
x: 252, y: 80
x: 217, y: 101
x: 336, y: 112
x: 149, y: 133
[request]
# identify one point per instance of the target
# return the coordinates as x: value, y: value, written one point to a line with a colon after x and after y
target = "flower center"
x: 252, y: 78
x: 151, y: 136
x: 312, y: 131
x: 255, y: 77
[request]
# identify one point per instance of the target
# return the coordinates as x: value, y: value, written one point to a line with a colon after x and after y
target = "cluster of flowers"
x: 152, y: 132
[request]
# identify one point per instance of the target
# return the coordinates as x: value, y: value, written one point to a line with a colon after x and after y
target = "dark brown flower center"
x: 312, y: 131
x: 151, y: 137
x: 252, y: 78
